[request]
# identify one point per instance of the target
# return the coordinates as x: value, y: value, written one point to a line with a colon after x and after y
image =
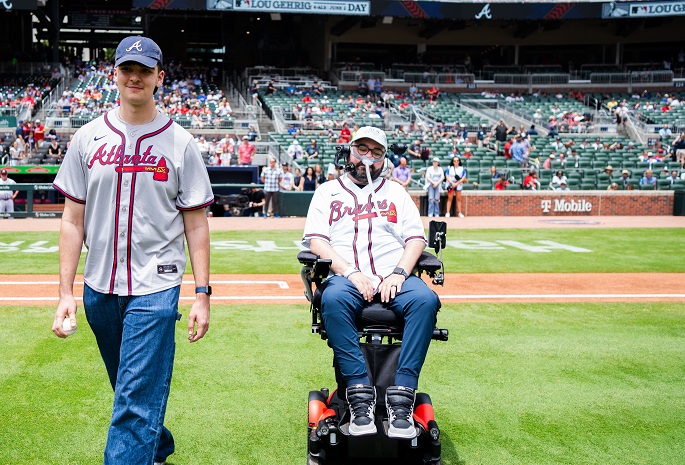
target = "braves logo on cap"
x: 135, y: 45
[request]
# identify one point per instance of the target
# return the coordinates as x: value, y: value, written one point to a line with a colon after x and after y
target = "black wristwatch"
x: 205, y: 289
x: 401, y: 271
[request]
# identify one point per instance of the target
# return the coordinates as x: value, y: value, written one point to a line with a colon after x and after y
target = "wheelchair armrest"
x: 315, y: 269
x: 307, y: 258
x: 428, y: 262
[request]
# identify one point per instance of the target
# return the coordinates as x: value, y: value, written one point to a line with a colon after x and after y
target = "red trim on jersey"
x: 356, y: 224
x: 130, y: 204
x: 189, y: 209
x: 117, y: 204
x: 373, y: 266
x: 423, y: 238
x: 316, y: 236
x: 70, y: 197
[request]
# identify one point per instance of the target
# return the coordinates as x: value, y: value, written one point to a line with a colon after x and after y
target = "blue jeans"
x: 433, y: 201
x: 417, y: 304
x: 135, y: 335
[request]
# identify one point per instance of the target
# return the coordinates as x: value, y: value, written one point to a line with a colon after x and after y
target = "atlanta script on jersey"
x: 372, y: 236
x: 134, y: 181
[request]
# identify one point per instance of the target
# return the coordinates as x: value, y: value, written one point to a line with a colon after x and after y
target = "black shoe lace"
x: 360, y: 409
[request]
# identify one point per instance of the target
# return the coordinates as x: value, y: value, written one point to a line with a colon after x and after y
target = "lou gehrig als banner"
x: 299, y: 6
x: 642, y: 9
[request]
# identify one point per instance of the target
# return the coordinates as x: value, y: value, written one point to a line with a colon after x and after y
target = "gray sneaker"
x: 362, y: 400
x: 400, y: 403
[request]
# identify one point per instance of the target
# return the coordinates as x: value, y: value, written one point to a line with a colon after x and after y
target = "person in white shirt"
x: 295, y: 150
x: 288, y: 181
x: 434, y: 178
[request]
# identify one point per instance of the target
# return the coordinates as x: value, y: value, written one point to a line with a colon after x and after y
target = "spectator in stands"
x: 532, y: 131
x: 55, y: 151
x: 295, y: 150
x: 563, y: 186
x: 308, y: 182
x: 623, y: 181
x: 402, y: 173
x: 271, y: 88
x: 213, y: 160
x: 413, y: 91
x: 455, y: 178
x: 296, y: 179
x: 648, y: 179
x: 271, y: 177
x: 288, y: 181
x: 252, y: 134
x: 434, y: 179
x: 501, y: 183
x: 246, y: 152
x: 531, y: 181
x: 501, y: 131
x: 15, y: 152
x: 547, y: 164
x: 609, y: 170
x: 224, y: 156
x: 345, y: 134
x: 557, y: 180
x: 678, y: 148
x: 518, y: 152
x: 494, y: 174
x: 312, y: 150
x: 665, y: 131
x: 320, y: 176
x: 673, y: 177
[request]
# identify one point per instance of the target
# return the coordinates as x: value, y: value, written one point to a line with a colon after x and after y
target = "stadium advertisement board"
x: 642, y: 9
x: 286, y: 6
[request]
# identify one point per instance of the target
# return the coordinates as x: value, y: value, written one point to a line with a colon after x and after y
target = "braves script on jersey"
x: 134, y: 181
x: 372, y: 237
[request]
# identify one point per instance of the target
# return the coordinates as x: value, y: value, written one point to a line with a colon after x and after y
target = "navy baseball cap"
x: 142, y: 50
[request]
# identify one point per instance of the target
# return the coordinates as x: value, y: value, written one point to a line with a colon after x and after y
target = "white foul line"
x: 280, y: 284
x: 562, y: 296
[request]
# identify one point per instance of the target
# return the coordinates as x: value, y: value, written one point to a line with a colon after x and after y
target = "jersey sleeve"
x: 194, y: 188
x: 71, y: 177
x: 316, y: 226
x: 412, y: 226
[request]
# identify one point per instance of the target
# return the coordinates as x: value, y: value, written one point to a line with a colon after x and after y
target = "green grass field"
x: 472, y: 251
x: 528, y: 384
x: 516, y: 384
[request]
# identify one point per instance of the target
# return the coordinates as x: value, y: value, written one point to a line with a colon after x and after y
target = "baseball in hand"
x: 66, y: 326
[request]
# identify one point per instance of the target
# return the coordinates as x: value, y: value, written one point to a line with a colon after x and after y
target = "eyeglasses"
x: 363, y: 150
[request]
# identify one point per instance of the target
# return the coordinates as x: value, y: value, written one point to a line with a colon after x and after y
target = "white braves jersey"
x: 135, y: 182
x: 6, y: 194
x: 371, y: 237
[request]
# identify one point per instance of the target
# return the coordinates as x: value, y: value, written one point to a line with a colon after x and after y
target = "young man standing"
x: 135, y: 184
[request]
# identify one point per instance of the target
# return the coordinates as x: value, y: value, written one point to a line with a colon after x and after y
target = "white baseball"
x: 66, y: 326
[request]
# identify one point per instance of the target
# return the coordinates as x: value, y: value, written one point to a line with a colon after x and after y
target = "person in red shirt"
x: 39, y: 133
x: 345, y: 133
x: 501, y: 183
x: 507, y: 149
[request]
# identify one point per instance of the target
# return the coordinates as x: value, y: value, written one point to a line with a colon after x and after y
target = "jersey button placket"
x: 122, y: 230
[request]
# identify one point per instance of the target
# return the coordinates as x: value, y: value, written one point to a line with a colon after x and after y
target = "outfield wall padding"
x: 556, y: 203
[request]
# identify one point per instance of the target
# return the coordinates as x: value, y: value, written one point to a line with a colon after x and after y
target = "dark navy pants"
x: 416, y: 304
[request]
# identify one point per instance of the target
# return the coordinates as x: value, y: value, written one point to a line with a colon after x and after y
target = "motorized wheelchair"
x: 380, y: 331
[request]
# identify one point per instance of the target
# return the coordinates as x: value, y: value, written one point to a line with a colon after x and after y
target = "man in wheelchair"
x: 371, y: 231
